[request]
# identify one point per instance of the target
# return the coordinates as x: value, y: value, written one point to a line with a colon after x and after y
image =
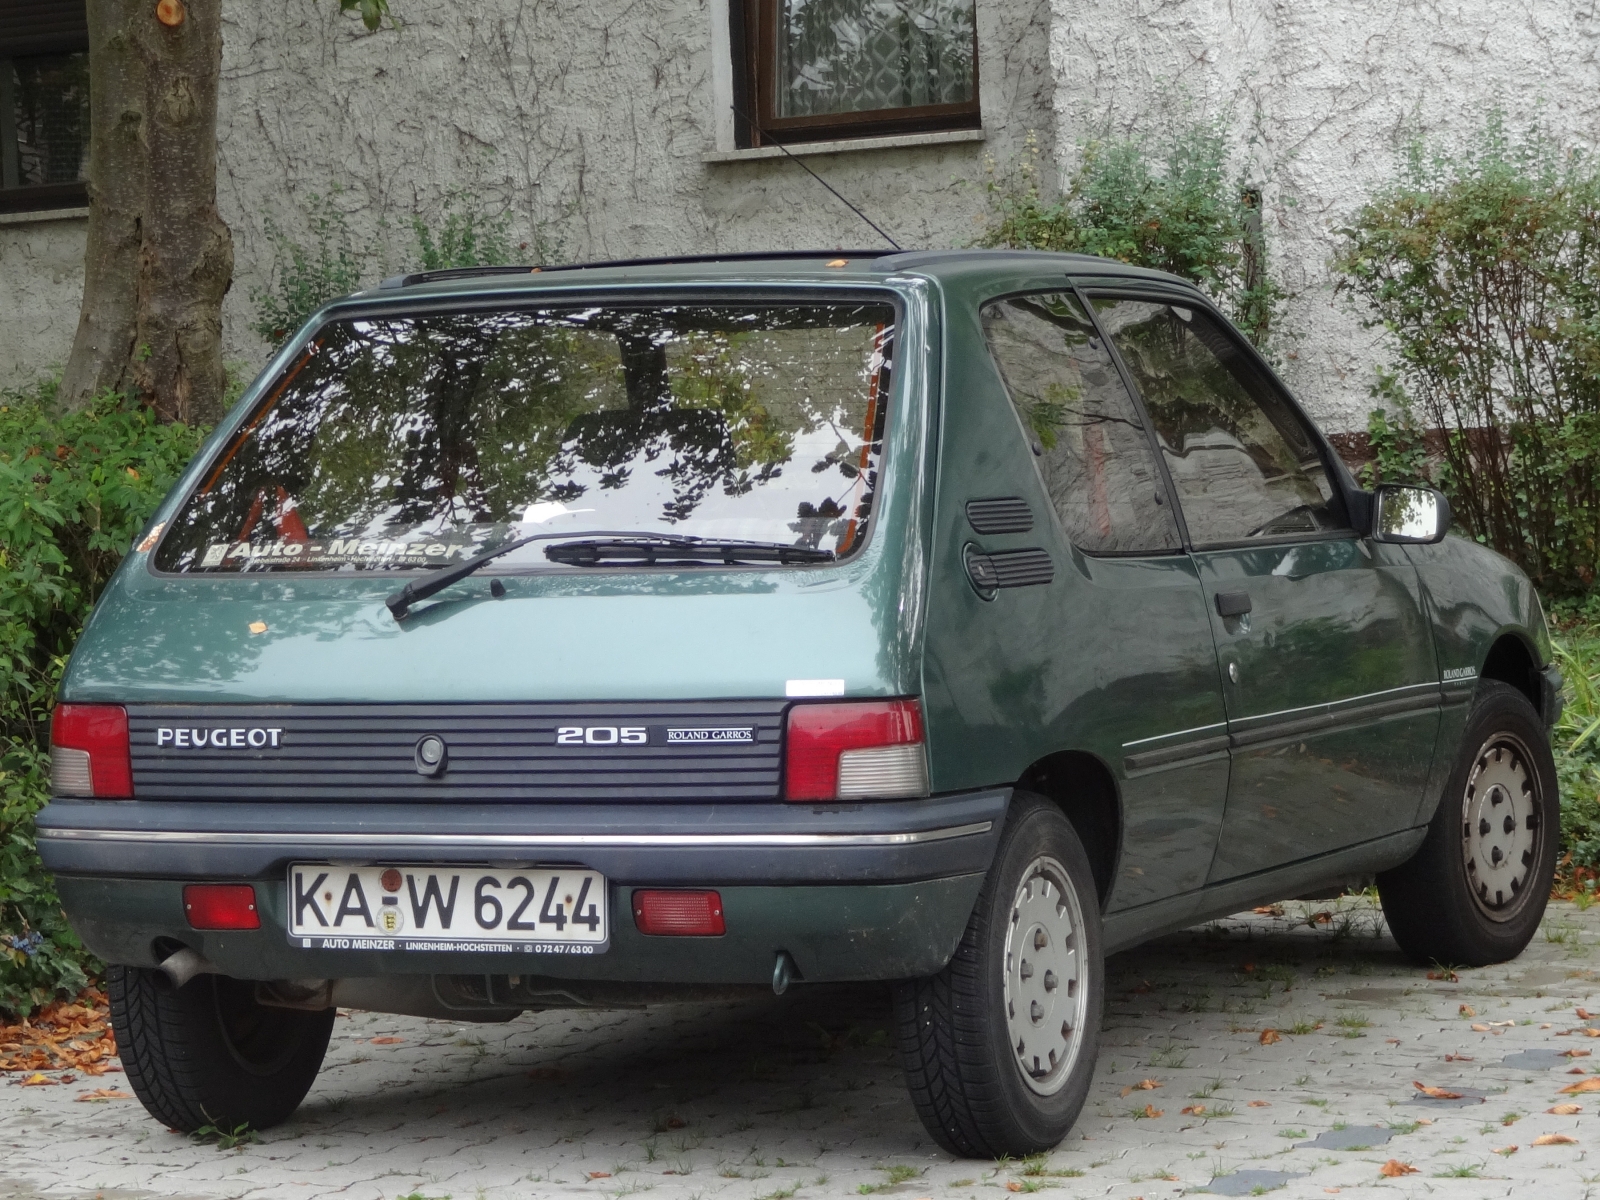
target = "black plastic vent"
x: 1004, y: 514
x: 1010, y: 569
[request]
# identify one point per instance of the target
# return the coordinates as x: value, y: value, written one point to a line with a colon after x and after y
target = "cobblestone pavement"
x: 800, y: 1096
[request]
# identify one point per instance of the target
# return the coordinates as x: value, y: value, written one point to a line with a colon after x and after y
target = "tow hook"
x: 784, y: 972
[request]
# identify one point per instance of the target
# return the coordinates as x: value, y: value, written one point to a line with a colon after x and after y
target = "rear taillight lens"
x: 861, y: 750
x: 221, y: 906
x: 89, y: 751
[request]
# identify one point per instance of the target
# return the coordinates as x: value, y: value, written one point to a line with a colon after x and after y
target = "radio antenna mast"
x: 878, y: 229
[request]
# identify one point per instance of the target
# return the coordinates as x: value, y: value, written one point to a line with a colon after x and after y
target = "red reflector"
x: 819, y: 733
x: 221, y: 906
x: 678, y: 913
x: 102, y: 731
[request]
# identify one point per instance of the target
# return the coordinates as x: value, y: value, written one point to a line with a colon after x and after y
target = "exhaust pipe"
x: 185, y: 964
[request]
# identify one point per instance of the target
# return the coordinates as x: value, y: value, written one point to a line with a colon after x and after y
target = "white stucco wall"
x: 587, y: 124
x: 1329, y: 92
x: 41, y: 281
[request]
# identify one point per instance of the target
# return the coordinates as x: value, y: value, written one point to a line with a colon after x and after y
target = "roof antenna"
x: 878, y: 229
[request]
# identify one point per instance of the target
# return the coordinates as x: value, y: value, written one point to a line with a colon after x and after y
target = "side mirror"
x: 1401, y: 513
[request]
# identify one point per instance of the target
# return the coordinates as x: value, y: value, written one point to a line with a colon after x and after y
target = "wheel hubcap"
x: 1502, y: 832
x: 1043, y: 976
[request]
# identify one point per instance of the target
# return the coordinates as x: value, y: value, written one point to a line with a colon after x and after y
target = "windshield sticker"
x: 336, y: 552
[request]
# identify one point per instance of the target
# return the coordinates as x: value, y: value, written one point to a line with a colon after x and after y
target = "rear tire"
x: 999, y: 1048
x: 1475, y: 891
x: 208, y: 1054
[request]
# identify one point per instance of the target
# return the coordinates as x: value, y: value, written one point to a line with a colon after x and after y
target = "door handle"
x: 1232, y: 604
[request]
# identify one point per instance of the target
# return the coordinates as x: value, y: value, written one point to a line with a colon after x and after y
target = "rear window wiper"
x: 617, y: 547
x: 649, y: 549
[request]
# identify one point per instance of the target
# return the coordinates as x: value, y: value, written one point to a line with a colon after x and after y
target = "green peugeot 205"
x: 636, y: 632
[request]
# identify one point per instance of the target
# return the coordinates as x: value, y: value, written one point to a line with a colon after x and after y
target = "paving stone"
x: 1351, y: 1137
x: 736, y: 1101
x: 1250, y: 1183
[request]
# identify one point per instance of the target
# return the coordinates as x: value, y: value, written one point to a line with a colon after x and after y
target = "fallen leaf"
x: 38, y: 1080
x: 387, y: 1041
x: 1320, y: 918
x: 1506, y: 1151
x: 1447, y: 976
x: 1591, y: 1084
x: 1577, y: 1071
x: 1588, y: 1031
x: 1392, y: 1041
x: 1268, y: 910
x: 1584, y: 1014
x: 1576, y: 1053
x: 1476, y: 1028
x: 1555, y: 1139
x: 102, y: 1094
x: 1395, y: 1168
x: 1565, y: 1110
x: 599, y: 1174
x: 1458, y: 1058
x: 1260, y: 1104
x: 1331, y: 1191
x: 1424, y: 1120
x: 1434, y: 1093
x: 1151, y: 1110
x: 1268, y: 1036
x: 1546, y: 1025
x: 1495, y: 1024
x: 1466, y: 1010
x: 1195, y: 1110
x: 1013, y: 1186
x: 1148, y: 1085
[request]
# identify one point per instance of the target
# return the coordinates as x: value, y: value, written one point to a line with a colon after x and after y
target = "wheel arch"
x: 1085, y: 790
x: 1513, y: 660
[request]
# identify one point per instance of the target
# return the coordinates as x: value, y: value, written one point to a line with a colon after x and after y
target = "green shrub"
x: 1576, y: 738
x: 1164, y: 200
x: 465, y: 238
x: 306, y: 276
x: 1484, y: 268
x: 75, y: 489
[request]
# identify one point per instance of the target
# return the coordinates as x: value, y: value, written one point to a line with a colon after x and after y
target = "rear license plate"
x: 549, y: 910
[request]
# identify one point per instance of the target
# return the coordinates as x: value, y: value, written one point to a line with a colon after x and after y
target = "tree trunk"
x: 159, y: 257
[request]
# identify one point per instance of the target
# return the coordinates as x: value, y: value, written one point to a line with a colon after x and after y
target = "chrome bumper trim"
x: 305, y: 843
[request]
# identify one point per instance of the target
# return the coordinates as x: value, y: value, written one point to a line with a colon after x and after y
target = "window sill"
x: 38, y: 216
x: 846, y: 146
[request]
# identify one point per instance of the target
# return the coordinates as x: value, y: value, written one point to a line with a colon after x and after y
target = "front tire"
x: 208, y: 1054
x: 1475, y: 891
x: 999, y: 1048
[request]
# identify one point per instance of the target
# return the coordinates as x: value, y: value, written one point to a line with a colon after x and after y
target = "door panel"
x: 1332, y: 698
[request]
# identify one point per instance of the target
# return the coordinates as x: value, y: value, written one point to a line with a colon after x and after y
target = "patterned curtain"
x: 837, y: 56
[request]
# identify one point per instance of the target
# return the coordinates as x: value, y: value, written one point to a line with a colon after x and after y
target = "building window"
x: 815, y: 70
x: 44, y: 105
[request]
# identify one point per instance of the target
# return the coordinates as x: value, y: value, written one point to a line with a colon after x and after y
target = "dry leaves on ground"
x: 1194, y: 1110
x: 599, y: 1174
x: 1444, y: 976
x: 1480, y: 1028
x: 1584, y: 1014
x: 67, y: 1035
x: 1466, y: 1010
x: 1268, y: 910
x: 1435, y: 1093
x: 1268, y: 1036
x: 1576, y: 1053
x: 1150, y: 1110
x: 1555, y: 1139
x: 1565, y: 1110
x: 100, y: 1095
x: 1144, y: 1085
x: 1395, y: 1168
x: 1505, y: 1151
x: 387, y: 1041
x: 1260, y: 1104
x: 1458, y: 1058
x: 1591, y: 1084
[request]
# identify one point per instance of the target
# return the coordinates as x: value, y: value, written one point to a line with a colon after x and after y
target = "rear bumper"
x: 884, y: 842
x: 859, y: 892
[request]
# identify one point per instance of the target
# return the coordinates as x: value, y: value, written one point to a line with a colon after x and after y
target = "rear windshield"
x: 419, y: 441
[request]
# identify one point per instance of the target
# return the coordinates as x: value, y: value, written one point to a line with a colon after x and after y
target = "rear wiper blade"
x: 649, y: 549
x: 399, y: 602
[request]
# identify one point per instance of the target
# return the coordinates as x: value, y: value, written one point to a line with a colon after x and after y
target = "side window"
x: 1097, y: 463
x: 1244, y: 464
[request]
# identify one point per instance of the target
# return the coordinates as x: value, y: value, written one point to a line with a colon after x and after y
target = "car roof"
x: 786, y: 266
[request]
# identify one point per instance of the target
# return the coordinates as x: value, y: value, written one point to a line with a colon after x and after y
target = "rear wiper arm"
x: 664, y: 548
x: 611, y: 541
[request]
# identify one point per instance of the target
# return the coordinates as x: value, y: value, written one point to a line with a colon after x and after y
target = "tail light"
x: 870, y: 749
x: 677, y: 912
x: 221, y: 906
x: 89, y: 751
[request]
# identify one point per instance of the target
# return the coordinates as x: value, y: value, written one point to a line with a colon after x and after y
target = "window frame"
x: 1332, y: 466
x: 1134, y: 398
x: 753, y: 29
x: 57, y: 34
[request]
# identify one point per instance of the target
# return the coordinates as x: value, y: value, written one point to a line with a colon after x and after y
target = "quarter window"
x: 1090, y: 446
x: 44, y: 105
x: 818, y: 69
x: 1243, y: 462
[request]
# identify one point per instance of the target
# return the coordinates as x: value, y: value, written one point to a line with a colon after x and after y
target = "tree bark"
x: 159, y: 257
